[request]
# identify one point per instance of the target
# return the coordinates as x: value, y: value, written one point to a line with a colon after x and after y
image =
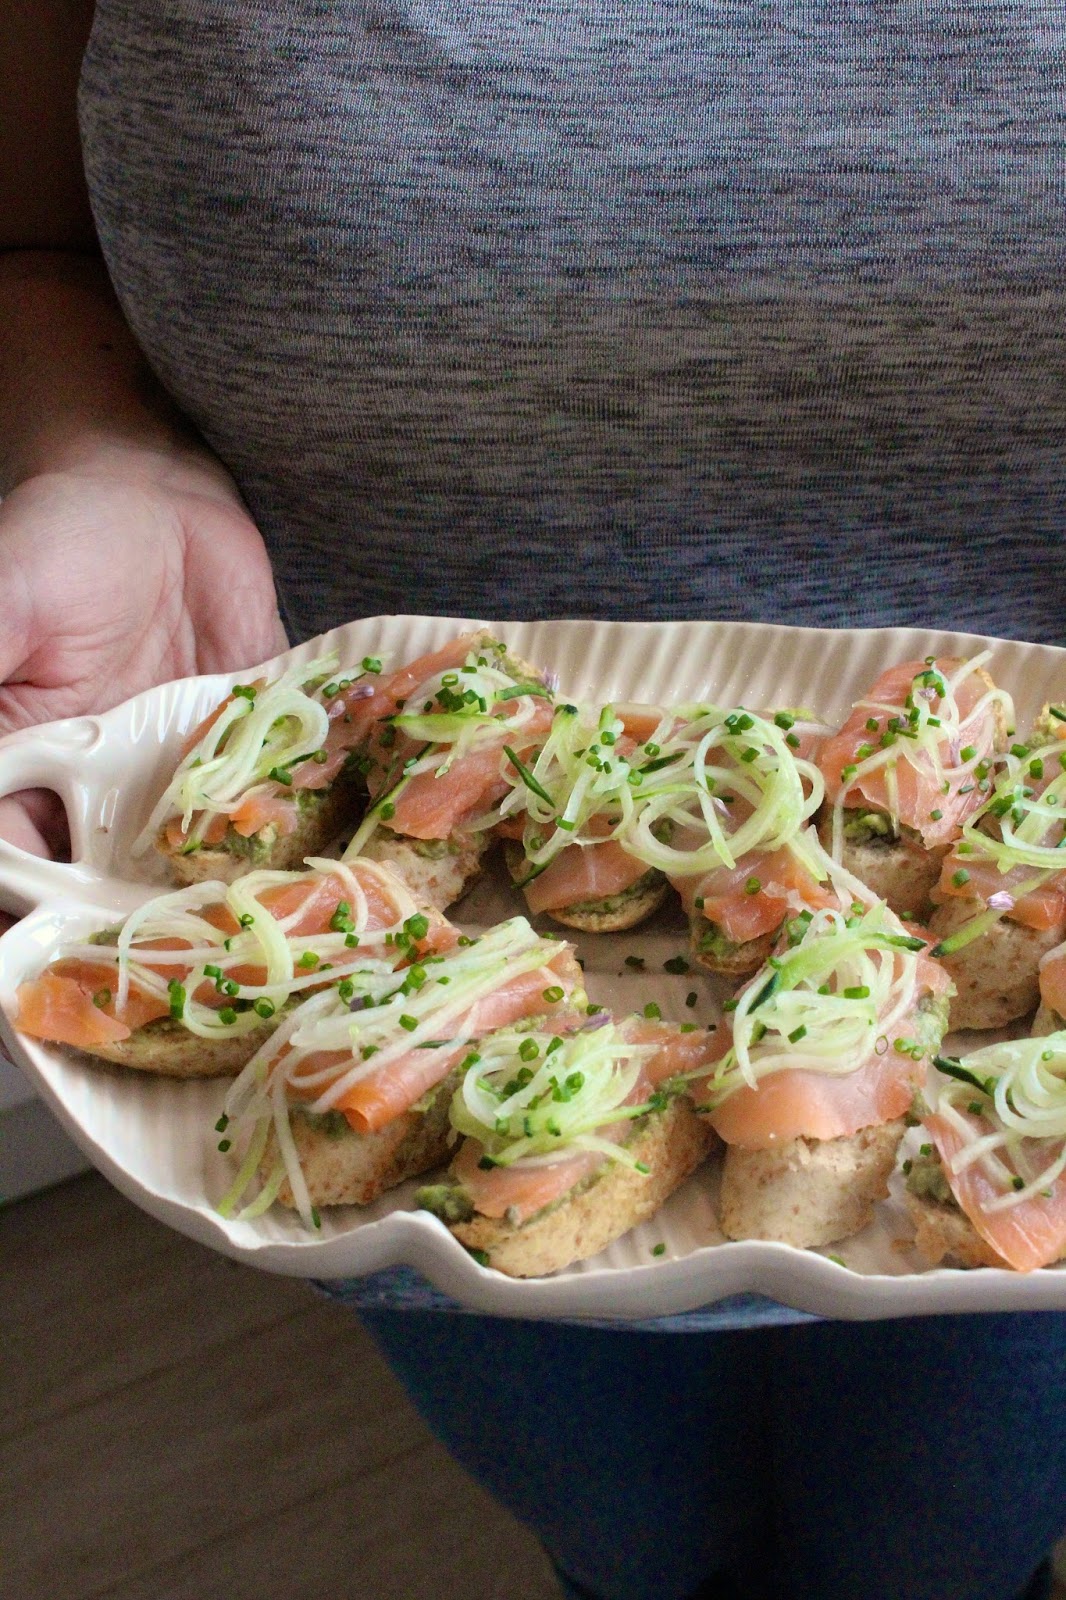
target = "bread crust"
x: 616, y: 1198
x: 740, y: 963
x: 943, y: 1232
x: 808, y: 1192
x: 1046, y: 1021
x: 997, y: 975
x: 168, y: 1050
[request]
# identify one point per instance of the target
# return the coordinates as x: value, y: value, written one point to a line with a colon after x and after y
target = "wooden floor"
x: 177, y: 1427
x: 174, y: 1426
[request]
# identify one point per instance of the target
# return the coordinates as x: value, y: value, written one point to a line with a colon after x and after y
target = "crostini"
x: 268, y: 777
x: 440, y: 757
x: 987, y: 1188
x: 195, y: 980
x: 622, y: 799
x: 912, y: 762
x: 829, y: 1043
x: 350, y: 1095
x: 570, y: 1140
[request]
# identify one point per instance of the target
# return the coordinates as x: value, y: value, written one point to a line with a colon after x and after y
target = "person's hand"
x: 123, y: 570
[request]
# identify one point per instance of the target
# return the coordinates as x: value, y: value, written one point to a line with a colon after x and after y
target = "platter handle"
x: 47, y: 758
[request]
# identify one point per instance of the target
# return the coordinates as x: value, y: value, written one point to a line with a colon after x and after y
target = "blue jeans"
x: 900, y: 1460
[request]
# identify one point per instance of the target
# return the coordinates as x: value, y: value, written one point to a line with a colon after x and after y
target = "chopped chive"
x: 526, y: 776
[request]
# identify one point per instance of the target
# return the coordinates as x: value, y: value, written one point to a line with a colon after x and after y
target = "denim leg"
x: 637, y: 1458
x: 923, y: 1459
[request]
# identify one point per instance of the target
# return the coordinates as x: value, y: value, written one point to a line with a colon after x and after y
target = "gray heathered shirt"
x: 640, y: 308
x: 609, y: 307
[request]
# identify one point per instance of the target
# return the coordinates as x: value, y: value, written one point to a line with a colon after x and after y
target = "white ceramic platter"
x: 152, y: 1138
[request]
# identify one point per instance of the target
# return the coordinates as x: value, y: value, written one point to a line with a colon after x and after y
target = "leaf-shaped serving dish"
x: 152, y: 1137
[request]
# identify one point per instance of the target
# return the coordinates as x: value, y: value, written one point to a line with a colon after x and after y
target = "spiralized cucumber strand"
x: 254, y: 733
x: 439, y: 1011
x: 717, y: 782
x: 1019, y: 1140
x: 866, y: 966
x: 532, y: 1098
x: 1028, y: 802
x: 931, y: 735
x: 291, y: 963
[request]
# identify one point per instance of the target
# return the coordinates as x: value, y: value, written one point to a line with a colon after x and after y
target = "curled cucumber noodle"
x: 529, y: 1110
x: 253, y: 734
x: 864, y: 962
x: 1021, y: 1133
x: 262, y: 940
x: 936, y: 732
x: 1030, y: 812
x: 721, y: 783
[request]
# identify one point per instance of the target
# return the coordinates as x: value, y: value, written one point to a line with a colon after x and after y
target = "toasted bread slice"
x: 613, y: 1199
x: 996, y: 975
x: 324, y: 813
x: 438, y: 872
x: 343, y: 1167
x: 808, y: 1192
x: 897, y: 867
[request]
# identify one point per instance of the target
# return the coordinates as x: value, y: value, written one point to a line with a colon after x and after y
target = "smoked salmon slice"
x: 755, y: 896
x: 584, y: 872
x: 930, y: 784
x: 1028, y: 1235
